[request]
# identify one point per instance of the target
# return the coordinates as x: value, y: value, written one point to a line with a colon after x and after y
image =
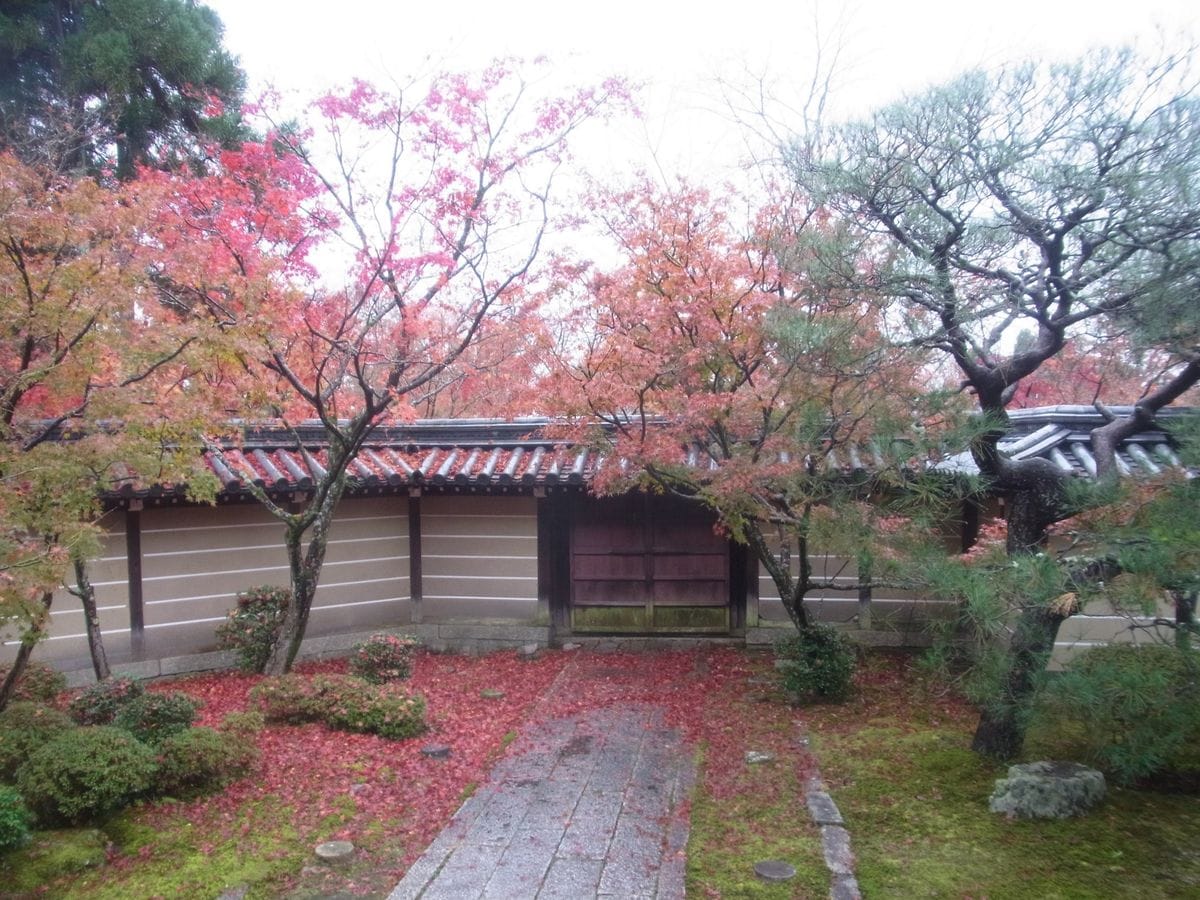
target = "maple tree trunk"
x: 91, y: 617
x: 29, y: 640
x: 791, y: 590
x: 304, y: 565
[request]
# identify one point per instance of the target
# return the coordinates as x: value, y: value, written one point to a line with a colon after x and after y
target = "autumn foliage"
x: 722, y: 358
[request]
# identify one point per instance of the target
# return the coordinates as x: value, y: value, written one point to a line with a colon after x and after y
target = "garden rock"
x: 335, y: 853
x: 1047, y: 790
x: 774, y: 870
x: 758, y: 757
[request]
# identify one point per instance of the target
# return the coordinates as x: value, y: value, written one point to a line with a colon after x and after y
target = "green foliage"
x: 152, y: 717
x: 99, y: 703
x: 78, y: 77
x: 201, y: 761
x: 816, y: 663
x: 290, y: 699
x: 86, y: 774
x: 253, y: 626
x: 15, y: 819
x: 357, y: 705
x: 986, y: 587
x: 1136, y: 707
x: 344, y: 702
x: 246, y: 723
x: 24, y: 727
x: 39, y: 683
x: 383, y: 657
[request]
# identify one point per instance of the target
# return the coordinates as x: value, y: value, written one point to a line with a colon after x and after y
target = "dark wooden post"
x: 545, y: 556
x: 415, y: 589
x: 133, y: 562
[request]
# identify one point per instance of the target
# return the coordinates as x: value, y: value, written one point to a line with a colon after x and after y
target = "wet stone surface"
x: 586, y: 806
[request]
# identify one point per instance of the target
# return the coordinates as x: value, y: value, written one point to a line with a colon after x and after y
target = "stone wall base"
x: 461, y: 637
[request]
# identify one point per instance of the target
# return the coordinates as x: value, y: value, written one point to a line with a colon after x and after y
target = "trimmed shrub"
x: 151, y: 718
x: 816, y: 664
x: 383, y: 657
x: 252, y: 626
x: 353, y: 704
x: 1137, y: 708
x: 39, y: 683
x: 201, y: 761
x: 247, y: 724
x: 290, y: 699
x: 15, y: 820
x: 344, y: 702
x: 24, y: 727
x: 100, y: 703
x: 84, y: 774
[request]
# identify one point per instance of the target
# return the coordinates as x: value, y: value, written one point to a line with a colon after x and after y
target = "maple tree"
x: 440, y: 194
x: 1053, y: 198
x: 94, y: 367
x: 722, y: 366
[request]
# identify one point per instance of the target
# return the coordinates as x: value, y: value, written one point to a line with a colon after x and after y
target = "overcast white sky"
x: 682, y: 49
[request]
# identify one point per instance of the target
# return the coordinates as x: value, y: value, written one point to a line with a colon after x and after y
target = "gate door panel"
x: 647, y: 564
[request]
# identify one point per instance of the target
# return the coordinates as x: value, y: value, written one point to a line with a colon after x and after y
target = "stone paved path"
x: 587, y: 806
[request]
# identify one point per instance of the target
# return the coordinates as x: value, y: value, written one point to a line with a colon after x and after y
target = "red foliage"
x: 405, y: 798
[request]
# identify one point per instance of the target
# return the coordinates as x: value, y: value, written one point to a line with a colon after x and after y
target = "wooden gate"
x: 647, y: 564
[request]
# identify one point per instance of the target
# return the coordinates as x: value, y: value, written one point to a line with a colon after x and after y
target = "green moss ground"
x: 915, y: 800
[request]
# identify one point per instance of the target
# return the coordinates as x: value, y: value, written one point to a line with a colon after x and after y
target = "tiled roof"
x: 1062, y: 434
x: 485, y: 454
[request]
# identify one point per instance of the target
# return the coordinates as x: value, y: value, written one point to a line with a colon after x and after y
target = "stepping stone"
x: 774, y: 870
x: 491, y: 694
x: 436, y: 751
x: 758, y: 757
x: 335, y: 853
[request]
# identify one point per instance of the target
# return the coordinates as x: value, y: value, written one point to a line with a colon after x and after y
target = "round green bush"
x: 816, y: 664
x: 85, y: 774
x: 1137, y: 708
x: 24, y: 727
x: 153, y: 717
x: 252, y: 627
x: 247, y: 723
x: 352, y: 704
x: 290, y: 699
x: 15, y: 820
x: 383, y: 657
x: 99, y: 703
x: 202, y: 760
x: 39, y: 683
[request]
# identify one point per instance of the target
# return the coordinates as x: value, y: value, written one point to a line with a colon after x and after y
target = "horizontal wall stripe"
x: 186, y: 622
x: 457, y: 577
x: 78, y: 611
x: 460, y: 536
x: 332, y: 608
x: 213, y: 574
x: 276, y: 545
x: 458, y: 556
x: 529, y: 599
x: 224, y: 526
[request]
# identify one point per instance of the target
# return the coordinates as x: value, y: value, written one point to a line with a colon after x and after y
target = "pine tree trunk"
x: 1003, y: 722
x: 91, y: 617
x: 29, y: 640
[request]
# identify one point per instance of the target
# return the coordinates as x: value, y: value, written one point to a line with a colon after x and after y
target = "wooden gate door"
x: 649, y: 565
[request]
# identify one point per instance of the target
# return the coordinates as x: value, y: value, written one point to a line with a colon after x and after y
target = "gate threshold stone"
x: 585, y: 806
